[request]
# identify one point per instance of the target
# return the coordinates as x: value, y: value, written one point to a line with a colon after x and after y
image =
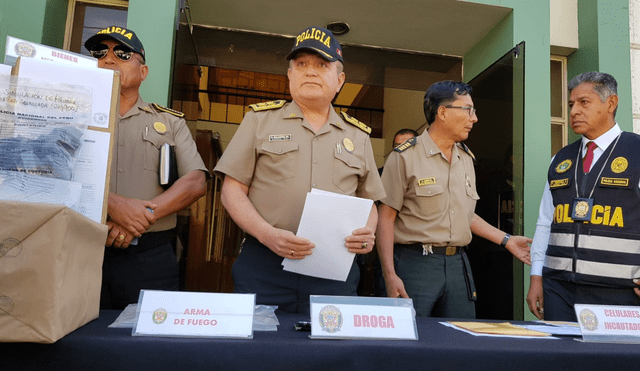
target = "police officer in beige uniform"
x: 428, y: 216
x: 139, y: 253
x: 279, y: 153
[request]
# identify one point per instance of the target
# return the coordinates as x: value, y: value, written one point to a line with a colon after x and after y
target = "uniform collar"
x: 293, y: 111
x: 140, y: 105
x: 431, y: 149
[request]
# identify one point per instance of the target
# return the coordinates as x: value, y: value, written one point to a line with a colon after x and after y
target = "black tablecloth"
x: 96, y: 347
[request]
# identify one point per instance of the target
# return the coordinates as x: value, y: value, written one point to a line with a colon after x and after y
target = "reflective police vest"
x: 604, y: 250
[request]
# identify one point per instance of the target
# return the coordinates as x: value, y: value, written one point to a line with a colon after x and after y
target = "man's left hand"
x: 636, y: 289
x: 361, y: 241
x: 519, y: 247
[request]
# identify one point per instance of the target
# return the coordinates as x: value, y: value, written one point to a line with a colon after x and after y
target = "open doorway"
x: 496, y: 141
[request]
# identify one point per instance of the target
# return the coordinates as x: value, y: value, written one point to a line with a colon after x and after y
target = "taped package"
x: 50, y: 271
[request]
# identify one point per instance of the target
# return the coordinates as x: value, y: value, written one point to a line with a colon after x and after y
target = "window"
x: 559, y: 109
x: 85, y: 18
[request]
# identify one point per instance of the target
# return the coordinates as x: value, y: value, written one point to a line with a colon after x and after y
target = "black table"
x: 96, y: 347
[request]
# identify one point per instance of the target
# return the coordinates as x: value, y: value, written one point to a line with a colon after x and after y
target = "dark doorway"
x: 497, y: 145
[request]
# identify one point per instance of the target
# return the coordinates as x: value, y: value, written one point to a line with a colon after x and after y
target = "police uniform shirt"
x: 280, y: 158
x: 140, y: 134
x: 435, y: 200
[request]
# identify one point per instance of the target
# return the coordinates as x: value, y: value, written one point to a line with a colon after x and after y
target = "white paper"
x: 5, y: 69
x: 195, y: 314
x: 98, y: 80
x: 91, y: 171
x: 22, y: 48
x: 327, y: 219
x: 16, y: 186
x: 566, y: 330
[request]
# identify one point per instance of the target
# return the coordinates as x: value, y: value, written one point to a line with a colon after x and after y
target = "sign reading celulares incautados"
x: 609, y: 323
x: 191, y: 314
x: 362, y: 318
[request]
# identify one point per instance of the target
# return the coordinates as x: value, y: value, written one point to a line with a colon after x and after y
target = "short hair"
x: 604, y: 84
x: 442, y: 93
x: 406, y: 131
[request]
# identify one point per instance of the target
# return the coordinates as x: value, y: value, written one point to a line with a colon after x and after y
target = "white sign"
x: 351, y: 317
x: 609, y: 323
x: 22, y: 48
x: 194, y: 314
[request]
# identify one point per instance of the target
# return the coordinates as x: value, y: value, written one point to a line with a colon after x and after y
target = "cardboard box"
x: 50, y: 271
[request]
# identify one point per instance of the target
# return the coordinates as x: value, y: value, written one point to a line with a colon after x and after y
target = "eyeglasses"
x: 471, y: 110
x: 122, y: 52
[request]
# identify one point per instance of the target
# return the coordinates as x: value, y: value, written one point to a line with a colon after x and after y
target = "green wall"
x: 38, y: 21
x: 528, y: 22
x: 154, y: 23
x: 605, y: 46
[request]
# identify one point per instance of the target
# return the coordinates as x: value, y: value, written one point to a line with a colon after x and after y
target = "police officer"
x: 279, y: 153
x: 139, y: 254
x: 585, y: 249
x: 429, y: 210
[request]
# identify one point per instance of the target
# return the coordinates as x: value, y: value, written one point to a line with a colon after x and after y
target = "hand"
x: 361, y: 241
x: 519, y: 247
x: 637, y: 282
x: 131, y: 213
x: 535, y: 299
x: 395, y: 287
x: 288, y: 245
x: 118, y: 237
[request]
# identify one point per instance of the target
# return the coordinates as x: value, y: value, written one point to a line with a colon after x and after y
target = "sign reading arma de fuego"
x: 164, y: 313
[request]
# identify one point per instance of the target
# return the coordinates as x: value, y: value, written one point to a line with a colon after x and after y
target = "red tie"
x: 588, y: 158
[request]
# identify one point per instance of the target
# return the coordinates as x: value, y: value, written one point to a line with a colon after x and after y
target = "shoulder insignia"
x: 355, y: 122
x: 466, y: 149
x: 267, y: 105
x: 408, y: 144
x: 167, y: 110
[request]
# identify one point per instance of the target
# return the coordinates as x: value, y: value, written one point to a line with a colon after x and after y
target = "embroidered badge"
x: 348, y: 145
x: 267, y: 105
x: 160, y: 127
x: 330, y: 319
x: 559, y: 183
x: 408, y: 144
x: 619, y: 164
x: 167, y: 110
x: 564, y: 166
x: 426, y: 181
x: 355, y: 123
x: 615, y: 182
x: 279, y: 137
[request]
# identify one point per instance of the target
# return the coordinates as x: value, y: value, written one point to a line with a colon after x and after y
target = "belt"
x: 428, y: 249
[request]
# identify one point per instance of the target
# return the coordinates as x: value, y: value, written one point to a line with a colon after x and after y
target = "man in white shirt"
x: 586, y: 248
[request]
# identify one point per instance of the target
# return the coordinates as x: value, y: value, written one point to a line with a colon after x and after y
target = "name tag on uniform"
x: 352, y: 317
x: 279, y: 137
x: 426, y: 181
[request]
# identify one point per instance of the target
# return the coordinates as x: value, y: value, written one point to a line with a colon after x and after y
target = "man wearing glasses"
x: 428, y: 215
x: 139, y: 253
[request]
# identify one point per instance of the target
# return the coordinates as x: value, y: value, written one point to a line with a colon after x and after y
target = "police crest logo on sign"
x: 159, y: 316
x: 330, y: 319
x: 588, y: 319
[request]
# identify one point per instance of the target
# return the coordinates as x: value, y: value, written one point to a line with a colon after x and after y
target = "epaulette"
x: 466, y: 149
x: 355, y: 123
x: 167, y: 110
x: 267, y: 105
x: 408, y: 144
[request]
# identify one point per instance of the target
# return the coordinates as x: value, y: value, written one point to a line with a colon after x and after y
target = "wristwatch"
x: 505, y: 240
